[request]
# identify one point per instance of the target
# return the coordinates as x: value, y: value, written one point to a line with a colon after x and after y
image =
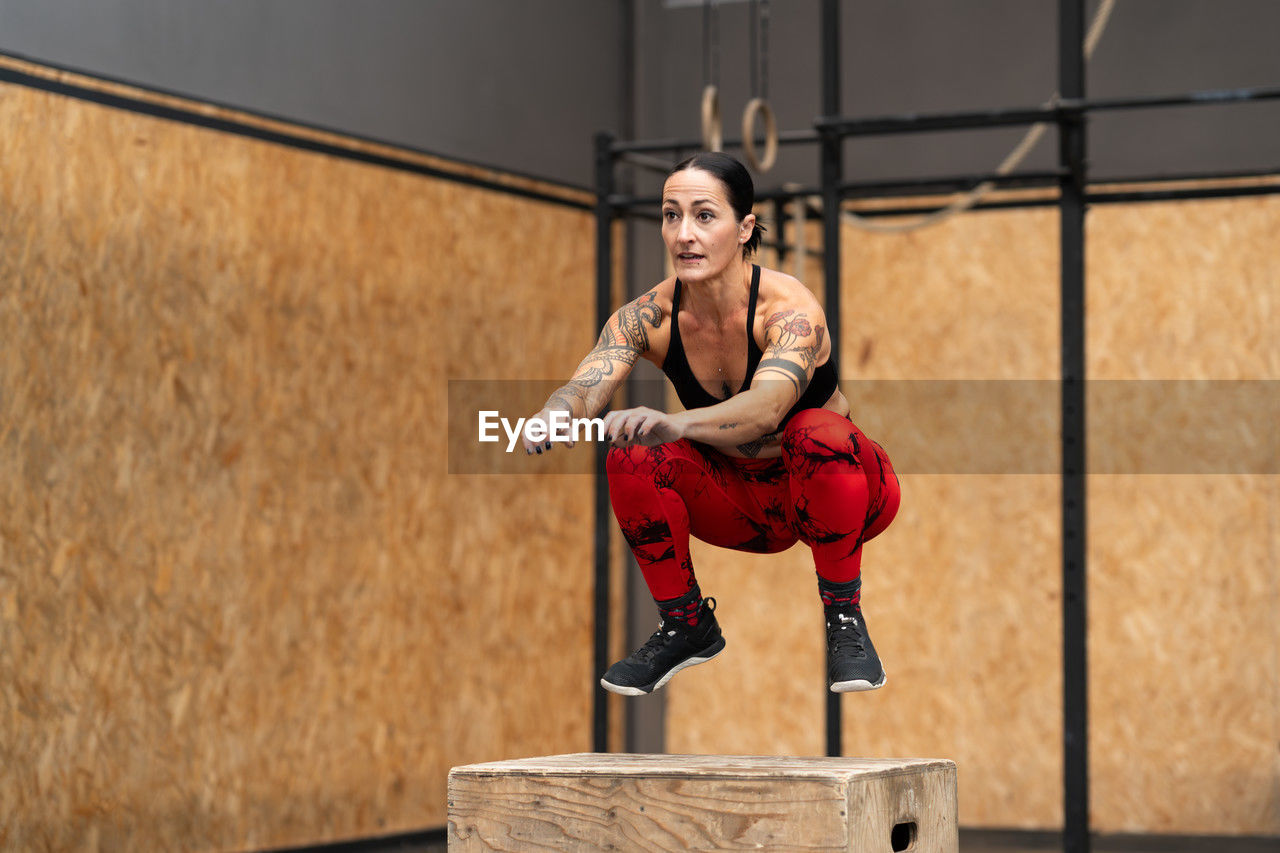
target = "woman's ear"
x: 746, y: 227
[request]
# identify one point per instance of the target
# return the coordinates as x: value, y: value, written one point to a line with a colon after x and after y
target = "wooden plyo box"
x: 606, y: 801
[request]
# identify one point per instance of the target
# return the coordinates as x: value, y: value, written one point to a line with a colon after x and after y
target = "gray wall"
x: 523, y: 84
x: 516, y: 84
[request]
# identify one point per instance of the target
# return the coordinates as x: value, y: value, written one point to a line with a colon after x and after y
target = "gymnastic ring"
x: 712, y: 130
x: 759, y: 106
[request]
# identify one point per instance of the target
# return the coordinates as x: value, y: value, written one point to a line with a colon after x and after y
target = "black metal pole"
x: 832, y: 177
x: 604, y: 299
x: 1075, y: 675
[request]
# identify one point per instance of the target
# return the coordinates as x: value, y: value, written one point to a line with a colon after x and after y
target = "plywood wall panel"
x: 244, y: 604
x: 1184, y: 290
x: 1184, y: 736
x: 974, y: 298
x: 1183, y: 632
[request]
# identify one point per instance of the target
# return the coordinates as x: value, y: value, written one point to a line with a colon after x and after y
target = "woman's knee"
x: 823, y: 420
x: 815, y: 433
x: 640, y: 460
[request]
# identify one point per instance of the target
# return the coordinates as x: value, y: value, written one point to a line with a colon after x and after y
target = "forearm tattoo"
x: 752, y: 448
x: 793, y: 347
x: 624, y: 339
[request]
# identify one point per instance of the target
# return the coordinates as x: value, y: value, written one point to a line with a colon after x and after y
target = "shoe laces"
x: 842, y: 635
x: 654, y: 644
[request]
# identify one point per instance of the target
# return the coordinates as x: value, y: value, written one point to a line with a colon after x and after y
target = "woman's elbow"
x: 772, y: 416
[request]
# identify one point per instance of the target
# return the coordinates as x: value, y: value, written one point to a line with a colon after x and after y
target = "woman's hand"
x: 642, y: 425
x: 539, y: 441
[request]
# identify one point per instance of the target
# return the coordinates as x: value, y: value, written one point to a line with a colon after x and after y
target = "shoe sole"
x: 716, y: 648
x: 859, y: 685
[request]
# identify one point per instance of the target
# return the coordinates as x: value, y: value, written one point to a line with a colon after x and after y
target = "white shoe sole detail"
x: 860, y: 685
x: 636, y: 691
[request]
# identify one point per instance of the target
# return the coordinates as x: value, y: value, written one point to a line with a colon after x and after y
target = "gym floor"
x: 971, y: 841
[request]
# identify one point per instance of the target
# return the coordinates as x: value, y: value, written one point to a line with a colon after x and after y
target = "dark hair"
x: 737, y: 183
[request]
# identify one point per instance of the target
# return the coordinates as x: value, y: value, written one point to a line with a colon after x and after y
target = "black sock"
x: 844, y: 594
x: 684, y: 609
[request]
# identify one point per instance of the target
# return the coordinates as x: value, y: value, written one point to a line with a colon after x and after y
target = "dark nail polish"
x: 539, y: 451
x: 548, y: 445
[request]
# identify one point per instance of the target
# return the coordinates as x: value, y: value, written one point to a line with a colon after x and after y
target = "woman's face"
x: 702, y: 233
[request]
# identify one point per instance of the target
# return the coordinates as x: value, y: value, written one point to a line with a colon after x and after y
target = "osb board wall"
x: 963, y: 592
x: 242, y: 604
x: 1185, y: 738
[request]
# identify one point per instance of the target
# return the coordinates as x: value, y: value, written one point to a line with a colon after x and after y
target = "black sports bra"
x: 693, y: 396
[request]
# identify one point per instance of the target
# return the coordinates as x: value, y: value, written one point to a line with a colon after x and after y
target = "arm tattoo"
x: 731, y: 425
x: 752, y: 448
x: 793, y: 344
x: 564, y: 398
x: 632, y: 319
x: 794, y: 372
x: 623, y: 340
x: 786, y: 331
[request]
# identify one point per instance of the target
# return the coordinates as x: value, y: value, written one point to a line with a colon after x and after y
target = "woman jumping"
x: 764, y: 454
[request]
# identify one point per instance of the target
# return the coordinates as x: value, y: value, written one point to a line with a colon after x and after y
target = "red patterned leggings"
x: 832, y: 488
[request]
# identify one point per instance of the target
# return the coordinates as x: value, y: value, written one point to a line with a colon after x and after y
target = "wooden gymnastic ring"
x: 712, y: 130
x: 759, y: 106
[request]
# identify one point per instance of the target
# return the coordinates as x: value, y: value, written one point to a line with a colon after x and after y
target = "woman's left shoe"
x: 852, y: 662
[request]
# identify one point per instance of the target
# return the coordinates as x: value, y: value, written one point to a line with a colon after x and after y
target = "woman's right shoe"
x: 674, y: 646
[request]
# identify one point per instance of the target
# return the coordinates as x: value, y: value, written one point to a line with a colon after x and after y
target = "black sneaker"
x: 674, y: 646
x: 852, y: 662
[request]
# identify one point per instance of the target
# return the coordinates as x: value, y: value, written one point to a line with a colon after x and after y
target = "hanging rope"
x: 712, y: 129
x: 1015, y: 157
x: 758, y: 106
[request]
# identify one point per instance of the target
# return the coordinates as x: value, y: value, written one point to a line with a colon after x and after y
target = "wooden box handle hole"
x: 903, y: 836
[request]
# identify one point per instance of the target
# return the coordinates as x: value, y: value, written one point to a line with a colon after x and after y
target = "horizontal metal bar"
x: 1214, y: 96
x: 1191, y: 176
x: 786, y: 137
x: 1129, y: 197
x: 969, y: 120
x: 922, y: 123
x: 955, y: 183
x: 654, y: 164
x: 1180, y: 194
x: 924, y: 209
x: 1063, y: 110
x: 788, y: 195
